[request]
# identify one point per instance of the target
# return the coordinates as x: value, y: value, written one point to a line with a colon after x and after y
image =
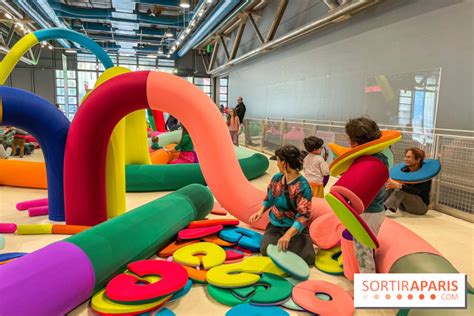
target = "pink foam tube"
x: 7, y: 227
x: 362, y: 181
x: 38, y: 211
x: 22, y: 206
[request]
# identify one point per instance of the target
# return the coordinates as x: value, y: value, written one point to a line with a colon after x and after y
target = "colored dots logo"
x: 433, y: 296
x: 387, y: 296
x: 410, y: 296
x: 376, y: 296
x: 422, y: 296
x: 399, y: 296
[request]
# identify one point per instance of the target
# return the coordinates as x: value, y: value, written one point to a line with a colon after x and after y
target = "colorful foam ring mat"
x: 198, y: 232
x: 329, y: 261
x: 269, y: 290
x: 250, y: 309
x: 212, y: 255
x: 347, y: 156
x: 124, y: 288
x: 429, y: 169
x: 245, y: 238
x: 173, y: 246
x: 289, y: 262
x: 214, y: 222
x: 352, y: 220
x: 340, y: 303
x: 244, y: 273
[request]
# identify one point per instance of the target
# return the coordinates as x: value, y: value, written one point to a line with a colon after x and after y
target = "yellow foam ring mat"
x: 34, y: 229
x: 261, y: 264
x: 16, y: 52
x: 213, y: 255
x: 326, y: 263
x: 344, y: 161
x: 230, y: 276
x: 102, y: 304
x: 352, y: 223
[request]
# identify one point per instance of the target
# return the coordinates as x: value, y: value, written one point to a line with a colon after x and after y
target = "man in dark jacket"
x: 240, y: 109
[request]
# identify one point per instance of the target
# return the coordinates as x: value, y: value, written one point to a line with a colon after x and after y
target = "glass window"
x: 71, y: 91
x: 202, y: 81
x: 71, y: 74
x: 72, y: 100
x: 59, y: 91
x: 61, y: 100
x: 59, y: 82
x: 86, y: 81
x: 223, y: 98
x: 59, y: 74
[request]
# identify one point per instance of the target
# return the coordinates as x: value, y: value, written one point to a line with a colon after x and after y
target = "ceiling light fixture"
x: 7, y: 15
x: 184, y: 4
x: 70, y: 51
x: 50, y: 47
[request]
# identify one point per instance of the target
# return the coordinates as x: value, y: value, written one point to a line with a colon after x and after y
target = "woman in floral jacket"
x: 288, y: 201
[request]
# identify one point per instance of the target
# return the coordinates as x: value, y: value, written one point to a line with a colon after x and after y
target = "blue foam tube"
x: 49, y: 126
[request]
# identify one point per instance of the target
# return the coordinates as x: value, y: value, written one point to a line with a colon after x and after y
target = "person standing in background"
x: 240, y: 109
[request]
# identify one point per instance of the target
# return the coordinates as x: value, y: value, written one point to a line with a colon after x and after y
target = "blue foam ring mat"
x: 254, y: 310
x: 429, y: 170
x: 245, y: 238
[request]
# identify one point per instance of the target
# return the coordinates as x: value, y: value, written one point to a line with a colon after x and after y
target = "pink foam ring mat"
x: 349, y: 260
x: 362, y: 181
x: 234, y: 256
x: 352, y: 220
x: 193, y: 233
x: 319, y: 207
x: 22, y: 206
x: 124, y: 288
x: 344, y: 161
x: 325, y: 231
x: 341, y: 303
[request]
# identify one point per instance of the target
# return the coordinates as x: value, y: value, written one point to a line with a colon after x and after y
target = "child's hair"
x: 155, y: 139
x: 362, y: 130
x: 418, y: 153
x: 312, y: 143
x: 291, y: 155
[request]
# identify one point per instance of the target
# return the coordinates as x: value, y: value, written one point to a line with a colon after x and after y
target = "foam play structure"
x: 89, y: 259
x: 91, y: 262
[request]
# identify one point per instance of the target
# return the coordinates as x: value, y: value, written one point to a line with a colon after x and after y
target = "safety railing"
x: 453, y: 189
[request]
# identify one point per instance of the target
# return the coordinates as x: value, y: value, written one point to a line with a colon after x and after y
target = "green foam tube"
x: 138, y: 234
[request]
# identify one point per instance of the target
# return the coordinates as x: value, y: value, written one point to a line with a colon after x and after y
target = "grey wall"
x: 323, y: 75
x: 38, y: 79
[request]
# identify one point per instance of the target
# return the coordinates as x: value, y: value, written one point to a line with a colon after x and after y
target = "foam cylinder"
x: 32, y: 203
x: 349, y: 260
x: 110, y: 246
x: 362, y: 181
x: 38, y: 211
x: 34, y: 229
x: 68, y: 229
x: 7, y: 227
x: 49, y: 281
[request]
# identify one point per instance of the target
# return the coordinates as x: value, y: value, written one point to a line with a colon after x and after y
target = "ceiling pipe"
x: 302, y: 31
x: 219, y: 13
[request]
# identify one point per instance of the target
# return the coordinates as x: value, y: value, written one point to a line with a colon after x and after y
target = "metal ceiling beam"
x: 238, y: 37
x: 213, y: 55
x: 255, y: 28
x: 333, y: 16
x: 276, y: 20
x: 224, y: 46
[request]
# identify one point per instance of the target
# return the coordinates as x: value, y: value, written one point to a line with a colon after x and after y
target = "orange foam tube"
x: 218, y: 161
x: 68, y: 229
x: 25, y: 174
x: 406, y: 243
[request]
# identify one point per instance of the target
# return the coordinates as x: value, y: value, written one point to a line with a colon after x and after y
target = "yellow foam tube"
x: 34, y: 229
x: 136, y: 140
x: 115, y: 164
x: 16, y: 52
